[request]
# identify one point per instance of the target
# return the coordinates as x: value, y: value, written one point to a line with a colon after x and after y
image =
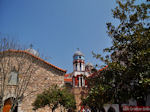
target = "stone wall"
x: 79, y: 92
x: 41, y: 80
x: 41, y: 76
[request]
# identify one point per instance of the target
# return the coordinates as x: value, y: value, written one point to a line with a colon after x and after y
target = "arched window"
x: 81, y: 81
x: 80, y: 67
x: 76, y: 67
x: 111, y: 109
x: 13, y: 78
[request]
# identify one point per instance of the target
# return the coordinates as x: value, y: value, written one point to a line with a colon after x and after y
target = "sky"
x: 56, y: 28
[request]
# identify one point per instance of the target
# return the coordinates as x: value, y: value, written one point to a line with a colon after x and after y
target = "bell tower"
x: 78, y: 61
x: 79, y: 70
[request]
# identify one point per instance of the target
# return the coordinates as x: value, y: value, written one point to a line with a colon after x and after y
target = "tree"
x: 54, y: 97
x: 8, y: 43
x: 128, y: 59
x: 96, y: 98
x: 15, y: 73
x: 100, y: 92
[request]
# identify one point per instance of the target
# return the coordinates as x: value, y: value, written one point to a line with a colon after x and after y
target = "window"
x: 76, y: 67
x: 78, y: 81
x: 80, y: 67
x: 13, y: 78
x: 81, y: 81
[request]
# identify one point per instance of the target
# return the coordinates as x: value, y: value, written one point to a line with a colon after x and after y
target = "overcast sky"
x: 58, y: 27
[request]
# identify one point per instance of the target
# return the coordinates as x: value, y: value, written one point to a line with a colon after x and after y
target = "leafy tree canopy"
x: 128, y: 72
x: 54, y: 97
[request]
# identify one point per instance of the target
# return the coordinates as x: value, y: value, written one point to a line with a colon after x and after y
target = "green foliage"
x: 54, y: 97
x: 128, y: 59
x: 97, y: 96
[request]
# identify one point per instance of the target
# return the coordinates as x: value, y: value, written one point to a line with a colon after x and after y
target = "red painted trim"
x: 85, y: 82
x: 78, y: 61
x: 76, y: 81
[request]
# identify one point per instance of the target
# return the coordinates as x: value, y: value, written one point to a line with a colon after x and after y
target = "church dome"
x: 78, y: 53
x: 89, y: 64
x: 33, y: 51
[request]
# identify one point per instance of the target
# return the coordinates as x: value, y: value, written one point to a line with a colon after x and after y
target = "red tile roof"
x: 98, y: 71
x: 38, y: 58
x: 103, y: 68
x: 68, y: 80
x: 66, y: 75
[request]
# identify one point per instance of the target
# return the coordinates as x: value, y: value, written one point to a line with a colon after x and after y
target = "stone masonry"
x: 44, y: 75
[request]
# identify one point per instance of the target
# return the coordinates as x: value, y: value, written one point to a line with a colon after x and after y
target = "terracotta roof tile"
x: 66, y: 75
x: 98, y: 71
x: 38, y: 58
x: 103, y: 68
x: 68, y: 80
